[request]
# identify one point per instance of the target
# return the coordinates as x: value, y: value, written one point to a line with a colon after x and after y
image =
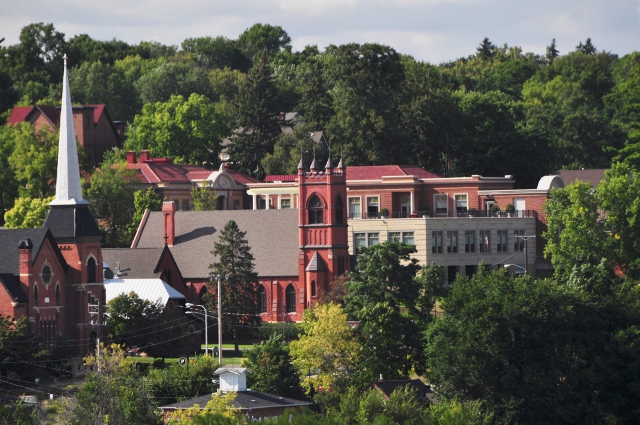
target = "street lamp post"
x: 206, y: 327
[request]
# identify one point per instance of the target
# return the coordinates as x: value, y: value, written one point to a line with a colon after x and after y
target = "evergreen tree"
x: 587, y: 48
x: 552, y: 52
x: 257, y: 112
x: 234, y: 266
x: 315, y: 105
x: 486, y: 49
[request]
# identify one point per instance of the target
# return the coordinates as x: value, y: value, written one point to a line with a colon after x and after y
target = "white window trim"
x: 455, y: 203
x: 435, y: 204
x: 367, y: 202
x: 349, y: 205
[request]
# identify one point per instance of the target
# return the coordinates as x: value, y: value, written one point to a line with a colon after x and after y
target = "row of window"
x: 35, y: 295
x: 367, y: 239
x: 448, y: 241
x: 289, y: 298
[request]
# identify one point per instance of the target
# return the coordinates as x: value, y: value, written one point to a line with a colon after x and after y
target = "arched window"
x: 339, y: 210
x: 262, y: 299
x: 315, y: 210
x: 290, y: 299
x: 35, y: 295
x: 91, y: 270
x: 314, y: 289
x: 58, y: 294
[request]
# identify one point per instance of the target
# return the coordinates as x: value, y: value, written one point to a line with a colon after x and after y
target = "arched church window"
x: 262, y: 299
x: 91, y: 270
x: 290, y: 299
x: 58, y: 294
x: 35, y: 295
x: 314, y: 289
x: 315, y: 210
x: 339, y: 210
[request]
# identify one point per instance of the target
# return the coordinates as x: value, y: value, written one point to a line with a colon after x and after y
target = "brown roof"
x: 594, y: 176
x: 272, y: 236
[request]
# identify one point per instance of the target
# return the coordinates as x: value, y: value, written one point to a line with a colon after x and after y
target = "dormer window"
x: 315, y: 210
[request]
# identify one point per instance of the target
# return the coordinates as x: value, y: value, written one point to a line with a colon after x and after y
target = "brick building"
x: 93, y: 126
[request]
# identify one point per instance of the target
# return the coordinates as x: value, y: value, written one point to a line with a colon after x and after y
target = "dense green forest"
x: 499, y: 111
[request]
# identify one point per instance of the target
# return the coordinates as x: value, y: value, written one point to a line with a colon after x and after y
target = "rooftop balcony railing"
x: 445, y: 214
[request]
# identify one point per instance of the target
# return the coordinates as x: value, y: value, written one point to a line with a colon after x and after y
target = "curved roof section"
x: 550, y: 182
x: 152, y: 290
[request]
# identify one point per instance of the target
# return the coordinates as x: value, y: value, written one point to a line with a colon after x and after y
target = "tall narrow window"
x: 373, y: 207
x: 315, y: 210
x: 485, y: 241
x: 502, y: 241
x: 91, y: 270
x: 35, y: 296
x: 57, y: 295
x: 290, y: 299
x: 461, y: 204
x: 436, y: 242
x: 339, y: 210
x: 262, y: 299
x: 441, y: 201
x: 355, y: 210
x: 314, y: 289
x: 470, y: 241
x: 452, y: 241
x: 518, y: 240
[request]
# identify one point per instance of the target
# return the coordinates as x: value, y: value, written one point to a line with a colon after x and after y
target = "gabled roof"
x: 271, y: 234
x: 376, y: 172
x: 10, y: 255
x: 245, y: 400
x: 152, y: 290
x: 12, y: 286
x: 316, y: 264
x: 52, y: 113
x: 140, y: 263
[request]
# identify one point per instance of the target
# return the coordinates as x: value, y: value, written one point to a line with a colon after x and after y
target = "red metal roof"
x: 280, y: 178
x: 97, y: 112
x: 376, y: 172
x: 167, y: 172
x: 19, y: 114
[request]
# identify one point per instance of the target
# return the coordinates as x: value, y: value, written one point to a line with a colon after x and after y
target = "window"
x: 520, y: 206
x: 436, y: 242
x: 186, y: 205
x: 366, y: 239
x: 373, y: 238
x: 314, y: 289
x: 285, y: 204
x: 461, y: 204
x: 469, y: 241
x: 262, y: 204
x: 406, y: 237
x: 262, y: 299
x: 91, y: 270
x: 35, y: 296
x: 373, y: 206
x: 57, y: 295
x: 315, y: 210
x: 518, y: 240
x: 452, y: 273
x: 354, y: 208
x: 452, y: 241
x: 502, y: 241
x: 236, y: 204
x: 470, y: 270
x: 339, y: 210
x: 290, y: 299
x: 485, y: 240
x: 441, y: 201
x: 46, y: 275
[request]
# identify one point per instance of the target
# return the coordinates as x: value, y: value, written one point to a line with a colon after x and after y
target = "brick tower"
x: 324, y: 250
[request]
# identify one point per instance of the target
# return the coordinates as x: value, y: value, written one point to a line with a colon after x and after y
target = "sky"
x: 435, y: 31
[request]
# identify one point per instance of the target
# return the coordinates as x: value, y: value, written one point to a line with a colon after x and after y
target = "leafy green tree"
x: 95, y: 82
x: 327, y: 353
x: 219, y: 410
x: 256, y: 121
x: 34, y: 159
x: 17, y: 346
x: 112, y: 394
x: 287, y: 150
x: 450, y: 412
x: 8, y: 181
x: 173, y: 79
x: 263, y: 38
x: 186, y: 129
x: 271, y: 368
x: 315, y: 104
x: 27, y: 213
x: 111, y: 199
x: 131, y: 319
x: 226, y: 83
x: 203, y: 199
x: 82, y: 49
x: 216, y: 53
x: 234, y: 266
x: 143, y: 200
x: 182, y: 382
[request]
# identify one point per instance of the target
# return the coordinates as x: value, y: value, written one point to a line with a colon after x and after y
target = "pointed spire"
x: 314, y: 164
x: 341, y: 164
x: 329, y: 165
x: 301, y: 165
x: 68, y: 189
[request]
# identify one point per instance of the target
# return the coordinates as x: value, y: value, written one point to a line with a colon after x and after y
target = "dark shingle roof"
x: 245, y: 400
x: 387, y: 387
x: 9, y: 253
x: 71, y: 221
x: 272, y: 236
x: 594, y: 176
x: 138, y: 263
x: 316, y: 264
x: 12, y: 285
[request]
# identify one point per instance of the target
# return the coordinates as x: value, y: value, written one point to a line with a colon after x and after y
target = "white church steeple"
x: 68, y: 188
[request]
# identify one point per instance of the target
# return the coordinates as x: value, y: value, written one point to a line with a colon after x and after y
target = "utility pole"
x: 220, y: 319
x: 526, y: 252
x: 98, y: 352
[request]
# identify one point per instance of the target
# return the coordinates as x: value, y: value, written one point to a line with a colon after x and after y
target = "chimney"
x: 169, y: 214
x: 131, y: 157
x: 145, y: 155
x: 25, y: 248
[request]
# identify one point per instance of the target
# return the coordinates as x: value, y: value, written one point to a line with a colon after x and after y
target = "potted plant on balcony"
x: 472, y: 212
x: 509, y: 209
x: 495, y: 210
x: 384, y: 213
